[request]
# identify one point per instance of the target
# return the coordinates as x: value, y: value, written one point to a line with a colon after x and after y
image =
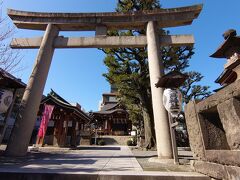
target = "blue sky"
x: 76, y: 74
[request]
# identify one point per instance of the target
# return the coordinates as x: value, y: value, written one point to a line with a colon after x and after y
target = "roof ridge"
x: 58, y: 97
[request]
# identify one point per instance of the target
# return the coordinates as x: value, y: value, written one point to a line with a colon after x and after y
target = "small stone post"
x: 156, y: 70
x: 25, y: 121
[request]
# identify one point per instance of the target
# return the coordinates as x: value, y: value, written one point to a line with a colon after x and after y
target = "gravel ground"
x: 143, y: 156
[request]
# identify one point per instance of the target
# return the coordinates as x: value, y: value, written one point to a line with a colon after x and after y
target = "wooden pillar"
x: 73, y: 140
x: 39, y: 141
x: 55, y: 131
x: 58, y: 129
x: 63, y: 139
x: 25, y: 120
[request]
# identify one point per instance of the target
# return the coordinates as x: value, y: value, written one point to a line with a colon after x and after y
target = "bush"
x: 129, y: 142
x: 101, y: 142
x: 134, y: 140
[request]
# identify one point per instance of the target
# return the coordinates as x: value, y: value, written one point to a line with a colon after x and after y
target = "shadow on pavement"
x: 97, y: 148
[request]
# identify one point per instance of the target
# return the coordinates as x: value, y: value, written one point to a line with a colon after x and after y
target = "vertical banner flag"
x: 48, y: 109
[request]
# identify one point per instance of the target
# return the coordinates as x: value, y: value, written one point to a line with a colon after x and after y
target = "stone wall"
x: 116, y: 140
x: 213, y: 127
x: 217, y: 171
x: 194, y: 131
x: 214, y: 136
x: 229, y: 112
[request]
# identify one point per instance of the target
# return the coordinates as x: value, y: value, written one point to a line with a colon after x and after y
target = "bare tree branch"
x: 9, y: 59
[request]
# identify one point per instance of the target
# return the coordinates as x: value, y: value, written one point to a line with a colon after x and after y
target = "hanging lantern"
x: 6, y: 98
x: 172, y: 97
x: 172, y: 101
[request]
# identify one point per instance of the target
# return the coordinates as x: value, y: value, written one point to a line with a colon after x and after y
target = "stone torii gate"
x: 52, y: 23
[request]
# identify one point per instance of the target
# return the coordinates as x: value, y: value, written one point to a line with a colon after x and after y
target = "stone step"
x: 104, y: 176
x: 115, y: 140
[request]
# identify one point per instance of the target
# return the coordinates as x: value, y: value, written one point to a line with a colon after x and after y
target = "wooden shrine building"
x: 11, y: 83
x: 66, y: 122
x: 112, y: 118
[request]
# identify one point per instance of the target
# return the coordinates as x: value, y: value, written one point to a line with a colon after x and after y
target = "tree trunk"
x: 146, y: 103
x: 148, y: 130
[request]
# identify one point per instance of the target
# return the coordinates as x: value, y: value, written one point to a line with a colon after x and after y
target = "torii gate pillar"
x: 156, y: 70
x: 32, y: 96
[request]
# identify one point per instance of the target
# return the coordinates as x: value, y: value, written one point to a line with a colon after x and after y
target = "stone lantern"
x: 172, y: 101
x: 230, y: 49
x: 172, y: 97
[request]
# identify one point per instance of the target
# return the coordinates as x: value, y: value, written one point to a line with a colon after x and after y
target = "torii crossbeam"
x: 102, y: 42
x: 52, y: 23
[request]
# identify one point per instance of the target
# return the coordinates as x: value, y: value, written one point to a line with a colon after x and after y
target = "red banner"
x: 48, y: 109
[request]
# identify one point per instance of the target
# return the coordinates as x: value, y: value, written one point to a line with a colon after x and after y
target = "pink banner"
x: 48, y: 109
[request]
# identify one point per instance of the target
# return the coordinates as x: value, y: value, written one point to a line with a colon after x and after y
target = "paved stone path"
x: 93, y: 161
x: 87, y: 159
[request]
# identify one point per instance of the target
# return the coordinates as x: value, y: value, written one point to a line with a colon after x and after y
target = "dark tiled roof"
x: 109, y: 106
x: 55, y: 95
x: 63, y: 103
x: 109, y: 94
x: 110, y: 111
x: 9, y: 81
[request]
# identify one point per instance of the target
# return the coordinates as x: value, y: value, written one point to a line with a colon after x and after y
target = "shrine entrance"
x: 52, y: 23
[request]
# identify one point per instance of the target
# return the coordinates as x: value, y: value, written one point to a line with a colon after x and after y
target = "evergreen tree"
x: 128, y: 70
x: 191, y: 90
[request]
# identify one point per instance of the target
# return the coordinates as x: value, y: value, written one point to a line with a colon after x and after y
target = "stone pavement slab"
x: 82, y: 163
x: 86, y: 159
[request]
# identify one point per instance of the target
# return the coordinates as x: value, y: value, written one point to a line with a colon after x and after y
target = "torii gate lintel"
x: 102, y: 42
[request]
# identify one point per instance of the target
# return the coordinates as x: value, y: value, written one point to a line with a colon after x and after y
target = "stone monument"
x: 230, y: 50
x: 214, y: 123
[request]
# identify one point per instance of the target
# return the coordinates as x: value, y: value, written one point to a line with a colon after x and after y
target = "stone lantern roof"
x: 230, y: 50
x: 231, y: 44
x: 172, y: 79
